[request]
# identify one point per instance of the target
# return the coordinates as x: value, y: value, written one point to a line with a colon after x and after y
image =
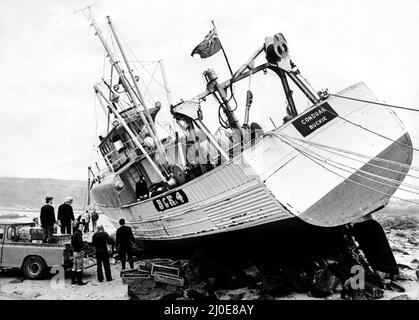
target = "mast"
x: 139, y: 94
x: 129, y: 131
x: 125, y: 83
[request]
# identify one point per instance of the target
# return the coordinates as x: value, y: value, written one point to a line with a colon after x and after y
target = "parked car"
x: 35, y: 259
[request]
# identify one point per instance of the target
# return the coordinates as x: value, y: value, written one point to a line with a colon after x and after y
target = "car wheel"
x: 34, y: 268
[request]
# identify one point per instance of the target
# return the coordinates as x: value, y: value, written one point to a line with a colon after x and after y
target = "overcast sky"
x: 50, y: 59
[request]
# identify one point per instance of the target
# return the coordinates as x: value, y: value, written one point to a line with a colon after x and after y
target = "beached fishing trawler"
x: 328, y: 165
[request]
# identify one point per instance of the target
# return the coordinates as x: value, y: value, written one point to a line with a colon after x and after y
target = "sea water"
x: 27, y: 215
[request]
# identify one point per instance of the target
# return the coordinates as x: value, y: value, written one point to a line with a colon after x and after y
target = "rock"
x: 394, y: 286
x: 400, y: 234
x: 238, y: 294
x: 400, y: 223
x: 417, y: 274
x: 375, y: 279
x: 413, y: 241
x: 140, y: 287
x: 252, y: 272
x: 198, y: 268
x: 403, y: 266
x: 404, y: 276
x: 415, y: 261
x: 17, y: 280
x: 165, y: 292
x: 373, y: 292
x: 199, y: 292
x: 173, y: 293
x: 36, y: 295
x: 324, y: 284
x: 270, y: 284
x: 399, y: 250
x: 401, y: 297
x: 331, y: 262
x: 265, y: 296
x: 348, y: 293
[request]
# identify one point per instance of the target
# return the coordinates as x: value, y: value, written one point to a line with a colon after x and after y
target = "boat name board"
x: 170, y: 200
x: 314, y: 119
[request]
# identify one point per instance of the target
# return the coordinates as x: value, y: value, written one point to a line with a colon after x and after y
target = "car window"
x: 1, y: 233
x: 11, y: 233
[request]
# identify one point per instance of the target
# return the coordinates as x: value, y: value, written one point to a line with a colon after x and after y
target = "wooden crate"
x: 135, y: 278
x: 172, y: 271
x: 172, y: 280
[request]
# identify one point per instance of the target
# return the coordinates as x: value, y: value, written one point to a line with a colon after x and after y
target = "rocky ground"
x: 205, y: 279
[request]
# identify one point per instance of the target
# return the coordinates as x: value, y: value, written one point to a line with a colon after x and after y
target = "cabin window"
x: 133, y: 176
x: 1, y: 233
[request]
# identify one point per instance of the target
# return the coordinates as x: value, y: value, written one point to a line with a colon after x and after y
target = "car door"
x: 11, y: 250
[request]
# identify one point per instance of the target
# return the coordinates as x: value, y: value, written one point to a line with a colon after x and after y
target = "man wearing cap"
x: 66, y: 216
x: 47, y: 219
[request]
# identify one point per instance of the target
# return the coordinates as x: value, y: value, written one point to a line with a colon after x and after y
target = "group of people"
x: 101, y: 242
x: 65, y: 218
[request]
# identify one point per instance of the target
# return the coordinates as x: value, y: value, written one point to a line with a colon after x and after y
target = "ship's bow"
x: 335, y: 162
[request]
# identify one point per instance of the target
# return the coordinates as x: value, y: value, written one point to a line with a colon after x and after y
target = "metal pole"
x: 212, y: 139
x: 168, y: 92
x: 131, y: 134
x: 222, y: 48
x: 248, y: 62
x: 294, y: 77
x: 125, y: 84
x: 88, y: 185
x: 140, y: 96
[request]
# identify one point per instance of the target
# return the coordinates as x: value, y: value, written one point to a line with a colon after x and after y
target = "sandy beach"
x: 402, y: 239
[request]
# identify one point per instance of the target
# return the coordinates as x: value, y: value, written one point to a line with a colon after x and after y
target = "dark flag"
x: 209, y: 46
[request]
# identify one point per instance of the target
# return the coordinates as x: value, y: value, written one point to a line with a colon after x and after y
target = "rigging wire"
x: 361, y: 184
x: 346, y: 179
x: 371, y: 131
x: 354, y: 170
x: 141, y: 63
x: 369, y: 164
x: 374, y: 102
x: 146, y: 87
x: 354, y: 153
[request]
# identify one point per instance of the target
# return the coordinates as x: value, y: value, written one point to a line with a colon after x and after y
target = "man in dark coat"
x: 100, y: 241
x: 141, y: 189
x: 66, y: 216
x: 47, y: 219
x: 124, y: 241
x: 78, y: 253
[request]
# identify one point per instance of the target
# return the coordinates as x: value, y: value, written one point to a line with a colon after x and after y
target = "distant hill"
x: 401, y: 208
x: 28, y: 193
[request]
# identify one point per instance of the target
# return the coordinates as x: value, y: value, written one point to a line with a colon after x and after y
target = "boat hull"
x: 289, y: 173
